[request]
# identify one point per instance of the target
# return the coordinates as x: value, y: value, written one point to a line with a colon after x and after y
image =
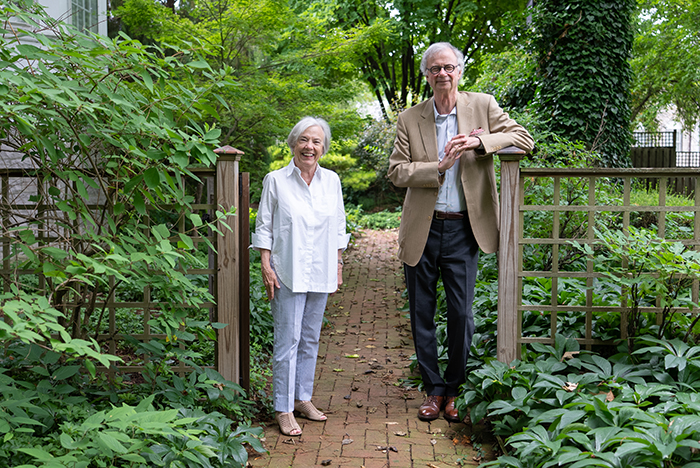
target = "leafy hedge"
x: 111, y: 128
x: 563, y: 406
x: 583, y: 84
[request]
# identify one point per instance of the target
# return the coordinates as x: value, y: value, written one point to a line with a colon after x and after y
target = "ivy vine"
x: 583, y: 49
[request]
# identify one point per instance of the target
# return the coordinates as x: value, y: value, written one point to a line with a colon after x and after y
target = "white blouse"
x: 303, y: 226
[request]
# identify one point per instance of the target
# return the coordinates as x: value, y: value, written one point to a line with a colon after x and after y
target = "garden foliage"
x: 583, y: 78
x: 563, y: 406
x: 104, y: 132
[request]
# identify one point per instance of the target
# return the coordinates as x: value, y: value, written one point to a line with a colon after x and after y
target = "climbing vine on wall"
x: 583, y: 49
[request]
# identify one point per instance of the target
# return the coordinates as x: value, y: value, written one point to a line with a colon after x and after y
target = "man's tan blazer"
x: 414, y: 164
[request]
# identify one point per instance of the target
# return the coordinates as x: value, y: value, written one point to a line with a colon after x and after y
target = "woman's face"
x: 309, y: 148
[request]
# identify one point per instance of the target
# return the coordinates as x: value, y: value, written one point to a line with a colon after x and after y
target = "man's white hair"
x: 434, y: 49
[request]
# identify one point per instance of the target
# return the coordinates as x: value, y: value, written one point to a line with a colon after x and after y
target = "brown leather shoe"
x: 430, y: 409
x: 451, y: 413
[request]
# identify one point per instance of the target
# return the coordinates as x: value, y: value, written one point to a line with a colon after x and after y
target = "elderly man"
x: 443, y: 154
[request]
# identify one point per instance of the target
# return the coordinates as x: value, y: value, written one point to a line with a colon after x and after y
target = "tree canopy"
x: 666, y: 62
x: 391, y: 67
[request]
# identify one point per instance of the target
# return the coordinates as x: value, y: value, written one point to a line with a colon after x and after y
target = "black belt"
x: 448, y: 215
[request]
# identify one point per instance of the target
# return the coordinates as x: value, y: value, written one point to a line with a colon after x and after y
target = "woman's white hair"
x: 301, y: 127
x: 434, y: 49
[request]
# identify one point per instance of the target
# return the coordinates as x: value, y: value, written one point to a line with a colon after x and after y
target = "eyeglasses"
x: 448, y: 68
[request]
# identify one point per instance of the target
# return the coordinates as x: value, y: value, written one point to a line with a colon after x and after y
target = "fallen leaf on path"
x: 338, y: 370
x: 326, y: 462
x: 390, y: 423
x: 400, y: 434
x: 347, y: 441
x: 352, y: 356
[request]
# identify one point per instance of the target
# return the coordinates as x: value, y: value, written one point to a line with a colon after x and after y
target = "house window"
x: 84, y: 14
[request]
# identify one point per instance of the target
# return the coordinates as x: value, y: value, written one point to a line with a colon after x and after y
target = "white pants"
x: 298, y: 318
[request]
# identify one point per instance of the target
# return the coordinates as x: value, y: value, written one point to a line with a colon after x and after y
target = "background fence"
x: 658, y: 149
x: 226, y: 273
x: 576, y: 201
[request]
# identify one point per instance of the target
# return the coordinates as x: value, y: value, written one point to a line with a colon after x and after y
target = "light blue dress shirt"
x: 450, y: 195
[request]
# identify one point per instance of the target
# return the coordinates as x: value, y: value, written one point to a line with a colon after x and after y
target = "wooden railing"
x: 513, y: 238
x: 227, y: 272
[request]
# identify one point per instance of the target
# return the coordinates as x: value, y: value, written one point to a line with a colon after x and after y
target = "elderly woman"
x: 300, y: 233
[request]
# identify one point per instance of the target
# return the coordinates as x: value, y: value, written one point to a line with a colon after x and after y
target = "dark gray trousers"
x: 451, y: 250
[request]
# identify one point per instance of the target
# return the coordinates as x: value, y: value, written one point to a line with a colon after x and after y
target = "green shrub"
x: 651, y: 272
x: 563, y: 406
x: 55, y: 407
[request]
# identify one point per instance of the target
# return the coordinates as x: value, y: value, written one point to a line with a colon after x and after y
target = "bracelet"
x: 341, y: 262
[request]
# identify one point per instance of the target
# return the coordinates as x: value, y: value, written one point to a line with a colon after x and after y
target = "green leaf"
x: 28, y: 252
x: 90, y: 366
x: 27, y: 236
x: 180, y: 158
x: 66, y: 372
x: 160, y: 232
x: 38, y: 453
x: 185, y: 242
x: 112, y: 443
x: 152, y: 178
x: 133, y: 182
x: 201, y: 64
x: 53, y: 252
x: 196, y: 219
x: 147, y: 80
x: 139, y: 204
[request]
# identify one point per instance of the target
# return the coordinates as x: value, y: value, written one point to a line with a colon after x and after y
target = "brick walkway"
x: 363, y: 355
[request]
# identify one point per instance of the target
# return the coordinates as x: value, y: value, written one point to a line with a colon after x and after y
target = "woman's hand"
x: 340, y: 275
x: 268, y: 274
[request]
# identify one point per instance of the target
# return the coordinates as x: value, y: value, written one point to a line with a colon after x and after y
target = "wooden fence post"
x: 244, y: 278
x: 228, y: 344
x: 508, y: 327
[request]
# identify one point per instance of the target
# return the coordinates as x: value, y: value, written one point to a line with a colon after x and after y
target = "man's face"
x: 443, y: 82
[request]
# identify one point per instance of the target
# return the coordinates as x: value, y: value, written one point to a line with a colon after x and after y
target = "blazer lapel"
x: 464, y: 115
x: 426, y: 125
x: 465, y: 124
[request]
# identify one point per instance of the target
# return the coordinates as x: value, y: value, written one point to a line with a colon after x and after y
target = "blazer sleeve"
x: 409, y: 165
x: 503, y: 131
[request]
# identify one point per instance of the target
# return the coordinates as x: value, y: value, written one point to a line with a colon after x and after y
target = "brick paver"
x: 363, y: 355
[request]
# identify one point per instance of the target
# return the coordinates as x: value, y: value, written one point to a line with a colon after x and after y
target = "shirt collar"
x: 292, y: 168
x: 452, y: 112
